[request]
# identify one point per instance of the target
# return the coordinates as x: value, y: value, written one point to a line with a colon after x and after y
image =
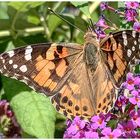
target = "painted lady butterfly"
x: 81, y: 80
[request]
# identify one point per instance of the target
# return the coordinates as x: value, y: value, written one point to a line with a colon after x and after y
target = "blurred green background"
x: 23, y: 23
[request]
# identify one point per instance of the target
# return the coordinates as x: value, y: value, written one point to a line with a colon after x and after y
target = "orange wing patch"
x: 57, y: 51
x: 52, y: 66
x: 61, y: 68
x: 44, y: 73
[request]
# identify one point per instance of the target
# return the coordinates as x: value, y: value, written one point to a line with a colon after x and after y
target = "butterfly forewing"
x: 40, y: 66
x: 120, y: 50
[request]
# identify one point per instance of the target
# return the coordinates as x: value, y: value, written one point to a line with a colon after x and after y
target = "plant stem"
x: 26, y: 31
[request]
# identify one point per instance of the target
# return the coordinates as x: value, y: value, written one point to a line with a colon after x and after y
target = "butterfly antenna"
x: 90, y: 28
x: 91, y: 22
x: 64, y: 19
x: 91, y: 25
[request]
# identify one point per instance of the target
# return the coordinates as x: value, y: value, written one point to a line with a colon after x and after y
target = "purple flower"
x: 79, y: 134
x: 137, y: 80
x: 8, y: 122
x: 121, y: 102
x: 91, y: 134
x: 108, y: 133
x: 131, y: 81
x: 135, y: 117
x: 101, y: 23
x: 103, y: 6
x: 132, y: 5
x: 127, y: 128
x: 136, y: 26
x: 75, y: 128
x: 98, y: 122
x: 100, y: 33
x: 130, y: 14
x: 135, y: 99
x: 76, y: 125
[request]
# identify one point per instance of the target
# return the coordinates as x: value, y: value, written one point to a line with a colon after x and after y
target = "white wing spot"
x: 134, y: 34
x: 6, y: 74
x: 135, y: 42
x: 23, y: 68
x: 124, y: 38
x: 4, y: 67
x: 31, y: 87
x: 125, y: 42
x: 15, y: 66
x: 124, y: 35
x: 133, y: 48
x: 24, y: 81
x: 25, y: 78
x: 11, y: 53
x: 14, y: 77
x: 28, y: 52
x: 129, y: 52
x: 3, y: 60
x: 10, y: 61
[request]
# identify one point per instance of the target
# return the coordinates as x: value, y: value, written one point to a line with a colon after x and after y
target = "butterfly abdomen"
x: 90, y: 55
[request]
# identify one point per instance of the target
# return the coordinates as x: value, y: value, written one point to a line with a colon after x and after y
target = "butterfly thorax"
x: 91, y: 50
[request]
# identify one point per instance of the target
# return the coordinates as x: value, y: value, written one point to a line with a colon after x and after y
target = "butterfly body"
x: 91, y: 50
x: 81, y: 80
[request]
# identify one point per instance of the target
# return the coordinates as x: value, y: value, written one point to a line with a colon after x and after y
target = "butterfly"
x: 81, y: 80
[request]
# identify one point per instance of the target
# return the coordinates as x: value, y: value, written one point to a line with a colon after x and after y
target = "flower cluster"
x: 8, y: 124
x: 124, y: 123
x: 129, y: 14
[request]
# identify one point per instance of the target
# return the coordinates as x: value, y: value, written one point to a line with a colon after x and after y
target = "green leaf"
x: 137, y: 69
x: 80, y: 23
x: 53, y: 25
x: 4, y: 43
x: 3, y: 11
x: 34, y: 112
x: 10, y: 46
x: 121, y: 4
x: 24, y: 6
x: 58, y: 6
x: 112, y: 16
x: 138, y: 130
x: 73, y: 21
x: 112, y: 123
x: 33, y: 19
x: 83, y: 6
